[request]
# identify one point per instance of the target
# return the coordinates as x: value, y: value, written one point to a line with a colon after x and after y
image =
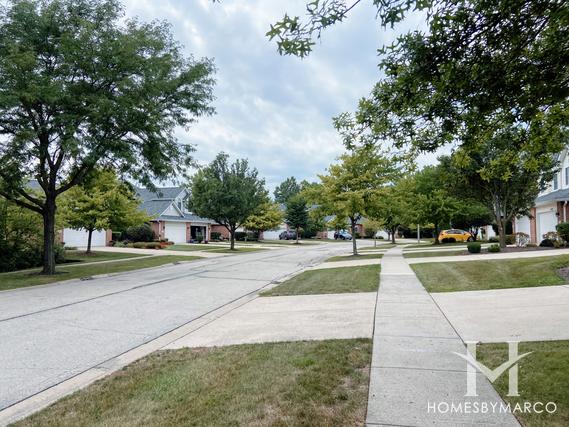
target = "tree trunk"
x: 354, y: 244
x: 501, y: 232
x: 393, y: 235
x: 437, y: 234
x: 232, y: 234
x: 297, y: 233
x: 89, y: 237
x: 49, y: 236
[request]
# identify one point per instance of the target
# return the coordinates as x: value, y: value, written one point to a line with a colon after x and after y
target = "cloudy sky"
x: 276, y: 111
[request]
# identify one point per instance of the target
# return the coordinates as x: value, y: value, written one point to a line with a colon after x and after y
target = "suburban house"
x: 170, y: 219
x: 551, y: 206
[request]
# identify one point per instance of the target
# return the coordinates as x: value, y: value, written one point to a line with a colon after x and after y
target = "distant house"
x: 171, y: 217
x: 551, y: 206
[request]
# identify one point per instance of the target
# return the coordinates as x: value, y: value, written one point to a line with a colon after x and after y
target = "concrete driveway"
x: 52, y: 333
x: 519, y: 314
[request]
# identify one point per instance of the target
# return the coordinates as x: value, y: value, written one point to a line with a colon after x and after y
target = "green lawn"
x: 439, y: 246
x: 210, y: 248
x: 543, y: 377
x: 329, y: 281
x: 96, y: 256
x: 491, y: 274
x: 229, y: 251
x: 27, y: 278
x: 379, y: 247
x: 283, y: 384
x: 354, y: 257
x: 433, y: 254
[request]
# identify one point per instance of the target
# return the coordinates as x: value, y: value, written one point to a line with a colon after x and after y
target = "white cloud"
x: 274, y: 110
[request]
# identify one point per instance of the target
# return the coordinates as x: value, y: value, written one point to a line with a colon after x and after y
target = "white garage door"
x: 272, y: 234
x: 523, y: 225
x: 546, y: 222
x: 78, y: 238
x: 175, y: 231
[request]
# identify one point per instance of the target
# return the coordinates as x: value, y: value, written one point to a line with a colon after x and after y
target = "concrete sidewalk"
x: 413, y: 367
x: 500, y: 315
x: 289, y: 318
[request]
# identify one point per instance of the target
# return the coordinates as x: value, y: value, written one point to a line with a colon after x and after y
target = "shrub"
x: 380, y: 237
x: 474, y: 247
x: 153, y: 245
x: 199, y: 237
x: 563, y: 231
x: 494, y: 248
x: 138, y: 245
x: 357, y: 235
x: 117, y: 235
x: 547, y: 243
x: 140, y: 233
x: 240, y: 235
x: 493, y: 239
x: 215, y: 236
x: 531, y: 245
x: 510, y: 239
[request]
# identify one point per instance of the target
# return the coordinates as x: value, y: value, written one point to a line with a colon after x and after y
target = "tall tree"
x: 433, y: 203
x: 81, y: 87
x: 268, y: 216
x: 101, y: 202
x: 286, y: 190
x: 296, y: 214
x: 505, y: 183
x: 350, y: 187
x: 227, y: 193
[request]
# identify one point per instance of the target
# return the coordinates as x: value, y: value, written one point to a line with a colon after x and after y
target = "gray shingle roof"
x: 559, y: 195
x: 166, y: 193
x: 155, y: 207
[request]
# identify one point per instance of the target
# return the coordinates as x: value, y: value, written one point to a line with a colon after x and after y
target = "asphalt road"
x: 51, y: 333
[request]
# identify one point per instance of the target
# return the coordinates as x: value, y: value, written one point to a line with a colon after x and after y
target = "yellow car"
x: 451, y: 236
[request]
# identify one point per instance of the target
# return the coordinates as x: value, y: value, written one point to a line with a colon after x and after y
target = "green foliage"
x: 21, y: 238
x: 267, y: 217
x: 563, y: 231
x: 227, y: 193
x: 139, y: 233
x: 353, y: 185
x: 286, y: 189
x: 494, y: 248
x: 102, y: 202
x: 296, y: 214
x: 474, y: 247
x: 215, y: 236
x: 80, y: 87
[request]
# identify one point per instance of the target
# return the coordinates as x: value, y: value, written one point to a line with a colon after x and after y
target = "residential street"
x: 51, y: 333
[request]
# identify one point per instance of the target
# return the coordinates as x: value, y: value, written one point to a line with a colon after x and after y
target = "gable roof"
x: 166, y: 193
x: 554, y: 196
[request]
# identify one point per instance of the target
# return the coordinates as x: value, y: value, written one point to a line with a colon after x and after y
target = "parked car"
x: 342, y: 235
x: 288, y: 235
x: 454, y: 235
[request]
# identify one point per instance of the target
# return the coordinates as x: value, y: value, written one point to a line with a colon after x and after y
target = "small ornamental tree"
x: 296, y: 215
x: 82, y: 87
x: 350, y: 187
x: 102, y: 202
x: 267, y: 217
x: 227, y: 193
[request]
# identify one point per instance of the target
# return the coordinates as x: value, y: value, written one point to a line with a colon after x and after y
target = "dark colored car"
x: 287, y: 235
x: 342, y: 235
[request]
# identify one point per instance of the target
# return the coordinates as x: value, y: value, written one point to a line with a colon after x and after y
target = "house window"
x: 555, y: 183
x: 567, y: 176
